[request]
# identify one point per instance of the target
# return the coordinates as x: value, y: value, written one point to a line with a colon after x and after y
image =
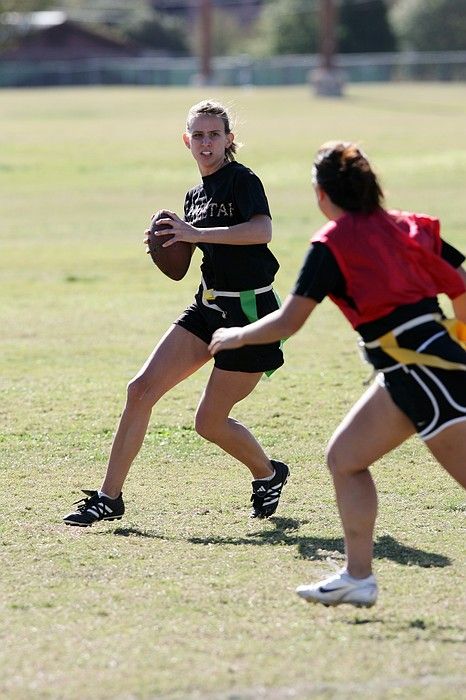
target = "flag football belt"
x: 389, y: 343
x: 212, y: 294
x: 247, y: 300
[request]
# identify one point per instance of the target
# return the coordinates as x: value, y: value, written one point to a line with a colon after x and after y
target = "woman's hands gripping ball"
x: 172, y: 259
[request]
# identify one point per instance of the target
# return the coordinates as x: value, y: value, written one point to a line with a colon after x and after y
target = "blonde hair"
x: 214, y: 109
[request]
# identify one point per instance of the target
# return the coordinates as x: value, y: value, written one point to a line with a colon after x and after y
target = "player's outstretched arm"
x: 280, y: 324
x: 459, y: 304
x: 459, y: 307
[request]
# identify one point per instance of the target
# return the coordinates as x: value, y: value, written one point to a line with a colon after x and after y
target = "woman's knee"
x: 206, y: 424
x: 331, y: 458
x: 138, y: 390
x: 341, y: 462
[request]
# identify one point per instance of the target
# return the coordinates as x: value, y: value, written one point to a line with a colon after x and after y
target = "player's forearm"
x: 256, y: 231
x: 459, y: 307
x: 281, y: 323
x: 462, y: 273
x: 459, y: 304
x: 268, y: 330
x: 277, y: 325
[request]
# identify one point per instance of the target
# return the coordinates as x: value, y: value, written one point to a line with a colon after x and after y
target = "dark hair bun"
x: 344, y: 172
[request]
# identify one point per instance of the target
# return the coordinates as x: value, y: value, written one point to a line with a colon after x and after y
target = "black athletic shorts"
x: 432, y: 398
x: 203, y: 318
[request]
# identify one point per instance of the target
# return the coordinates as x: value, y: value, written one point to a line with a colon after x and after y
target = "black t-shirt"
x: 320, y: 275
x: 232, y: 195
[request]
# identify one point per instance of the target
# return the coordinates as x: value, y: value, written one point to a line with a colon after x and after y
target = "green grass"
x: 186, y: 598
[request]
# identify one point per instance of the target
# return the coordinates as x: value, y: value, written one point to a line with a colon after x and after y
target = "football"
x: 174, y: 260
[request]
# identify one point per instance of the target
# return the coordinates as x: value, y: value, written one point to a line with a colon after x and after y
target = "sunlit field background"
x: 185, y: 597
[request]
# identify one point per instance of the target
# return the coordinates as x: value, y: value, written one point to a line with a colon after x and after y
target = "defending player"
x: 384, y: 270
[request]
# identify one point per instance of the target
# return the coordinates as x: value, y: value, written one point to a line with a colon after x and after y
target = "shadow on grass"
x: 418, y: 629
x: 134, y: 532
x: 386, y: 547
x: 285, y: 532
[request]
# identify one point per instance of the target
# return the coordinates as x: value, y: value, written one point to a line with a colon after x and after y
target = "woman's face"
x: 207, y: 141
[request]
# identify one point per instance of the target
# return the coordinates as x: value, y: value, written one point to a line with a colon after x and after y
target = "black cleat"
x: 94, y: 508
x: 266, y: 494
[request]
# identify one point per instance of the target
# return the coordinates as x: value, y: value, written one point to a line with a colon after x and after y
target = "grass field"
x: 185, y: 598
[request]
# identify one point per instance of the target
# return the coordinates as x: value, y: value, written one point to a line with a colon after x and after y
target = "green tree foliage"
x: 133, y: 20
x: 288, y: 27
x: 365, y: 27
x: 292, y: 26
x: 229, y: 37
x: 431, y: 25
x: 24, y: 5
x: 158, y: 32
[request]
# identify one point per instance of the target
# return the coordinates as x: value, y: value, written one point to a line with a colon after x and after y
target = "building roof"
x: 63, y: 40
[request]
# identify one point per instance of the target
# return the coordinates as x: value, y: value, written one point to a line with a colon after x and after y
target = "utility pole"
x: 328, y: 15
x: 205, y: 39
x: 327, y: 79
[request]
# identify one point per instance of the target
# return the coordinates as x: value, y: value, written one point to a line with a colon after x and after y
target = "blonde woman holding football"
x: 227, y: 217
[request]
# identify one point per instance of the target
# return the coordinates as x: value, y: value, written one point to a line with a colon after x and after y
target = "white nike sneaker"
x: 341, y: 588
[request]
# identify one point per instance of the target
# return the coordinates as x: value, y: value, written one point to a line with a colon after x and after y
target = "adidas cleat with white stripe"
x: 266, y: 492
x: 340, y: 589
x: 94, y: 508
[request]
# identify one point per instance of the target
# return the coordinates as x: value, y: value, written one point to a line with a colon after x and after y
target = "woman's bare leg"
x: 178, y: 354
x: 373, y: 427
x: 449, y: 449
x: 213, y: 421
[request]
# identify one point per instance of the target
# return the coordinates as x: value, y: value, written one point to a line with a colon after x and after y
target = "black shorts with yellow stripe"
x: 432, y: 397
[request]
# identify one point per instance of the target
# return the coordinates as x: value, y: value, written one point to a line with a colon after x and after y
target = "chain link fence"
x: 233, y: 71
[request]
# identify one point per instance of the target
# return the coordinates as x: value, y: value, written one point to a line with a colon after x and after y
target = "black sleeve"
x: 250, y: 195
x: 320, y: 275
x: 451, y: 254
